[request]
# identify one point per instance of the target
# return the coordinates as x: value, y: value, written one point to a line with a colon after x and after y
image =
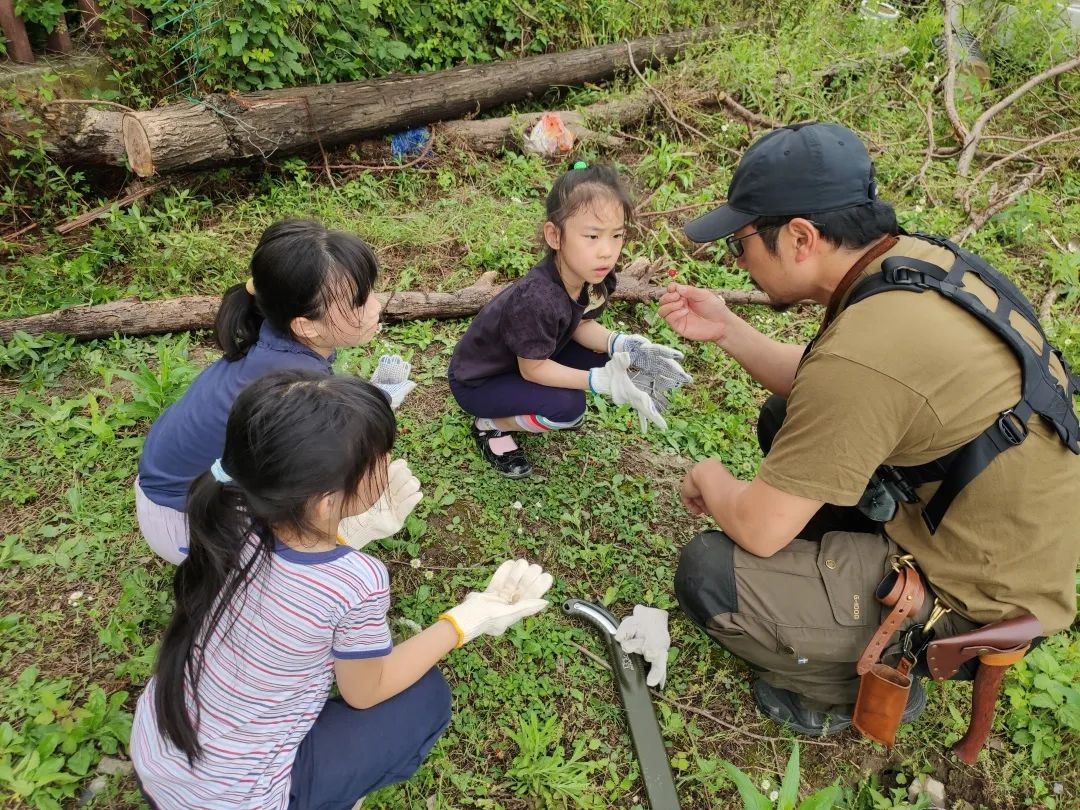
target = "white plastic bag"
x: 549, y: 136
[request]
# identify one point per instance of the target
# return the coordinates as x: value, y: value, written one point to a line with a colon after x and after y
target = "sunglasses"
x: 735, y: 245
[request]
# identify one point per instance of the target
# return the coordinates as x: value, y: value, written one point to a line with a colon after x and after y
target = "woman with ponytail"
x: 271, y: 611
x: 310, y: 293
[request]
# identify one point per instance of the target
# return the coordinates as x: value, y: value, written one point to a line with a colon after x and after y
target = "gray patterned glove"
x: 392, y: 378
x: 655, y: 368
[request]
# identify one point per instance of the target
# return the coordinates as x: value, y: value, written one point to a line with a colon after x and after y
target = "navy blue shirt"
x: 534, y: 318
x: 190, y: 434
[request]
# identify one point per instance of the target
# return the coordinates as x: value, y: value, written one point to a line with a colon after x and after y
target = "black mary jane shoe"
x: 509, y: 465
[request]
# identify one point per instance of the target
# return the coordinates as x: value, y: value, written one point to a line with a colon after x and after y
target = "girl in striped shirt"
x: 271, y: 611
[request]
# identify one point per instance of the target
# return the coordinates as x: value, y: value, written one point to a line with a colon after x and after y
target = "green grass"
x: 537, y: 723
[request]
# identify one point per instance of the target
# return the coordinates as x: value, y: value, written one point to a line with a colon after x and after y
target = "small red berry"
x: 672, y: 272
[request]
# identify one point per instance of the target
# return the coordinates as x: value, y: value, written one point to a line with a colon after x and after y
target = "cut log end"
x: 137, y: 147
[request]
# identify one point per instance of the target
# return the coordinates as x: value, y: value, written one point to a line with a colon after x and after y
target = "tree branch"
x: 694, y: 709
x: 1023, y: 150
x: 928, y: 113
x: 1000, y: 204
x: 963, y: 166
x: 663, y: 101
x: 747, y: 115
x: 950, y: 76
x: 135, y: 317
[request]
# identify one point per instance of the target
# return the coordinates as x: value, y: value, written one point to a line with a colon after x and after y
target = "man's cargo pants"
x: 802, y: 617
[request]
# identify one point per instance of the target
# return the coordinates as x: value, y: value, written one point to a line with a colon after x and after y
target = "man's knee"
x: 705, y: 578
x: 770, y: 418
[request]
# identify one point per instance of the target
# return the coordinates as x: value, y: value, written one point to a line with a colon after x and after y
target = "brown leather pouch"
x: 883, y: 694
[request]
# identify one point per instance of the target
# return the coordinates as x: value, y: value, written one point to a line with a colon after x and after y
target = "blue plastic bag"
x: 411, y: 142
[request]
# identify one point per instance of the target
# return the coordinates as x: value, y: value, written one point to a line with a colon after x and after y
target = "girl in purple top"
x: 310, y: 293
x: 529, y: 356
x: 271, y: 611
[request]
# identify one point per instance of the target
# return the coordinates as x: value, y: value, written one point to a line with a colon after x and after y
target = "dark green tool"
x: 644, y: 730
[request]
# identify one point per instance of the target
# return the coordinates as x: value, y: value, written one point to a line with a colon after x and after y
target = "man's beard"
x: 775, y: 306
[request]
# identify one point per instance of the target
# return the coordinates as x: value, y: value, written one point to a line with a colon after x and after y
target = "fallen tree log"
x: 224, y: 128
x: 487, y: 135
x: 134, y: 317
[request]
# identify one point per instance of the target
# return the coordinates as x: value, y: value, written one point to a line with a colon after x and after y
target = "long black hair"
x: 292, y: 437
x: 299, y: 269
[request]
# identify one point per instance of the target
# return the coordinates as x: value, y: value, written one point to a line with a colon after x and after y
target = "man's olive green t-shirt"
x: 904, y: 378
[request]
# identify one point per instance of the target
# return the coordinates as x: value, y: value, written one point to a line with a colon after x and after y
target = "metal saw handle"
x: 637, y: 703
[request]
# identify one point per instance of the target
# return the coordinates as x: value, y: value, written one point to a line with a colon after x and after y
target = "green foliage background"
x: 83, y: 601
x: 260, y: 44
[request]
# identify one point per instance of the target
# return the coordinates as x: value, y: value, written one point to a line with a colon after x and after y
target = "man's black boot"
x: 787, y: 709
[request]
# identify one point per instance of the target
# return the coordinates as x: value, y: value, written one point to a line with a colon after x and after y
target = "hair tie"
x: 249, y: 285
x: 219, y: 473
x: 580, y: 164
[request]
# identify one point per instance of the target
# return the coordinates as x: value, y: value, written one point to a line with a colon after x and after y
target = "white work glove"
x: 646, y: 633
x: 613, y: 380
x: 392, y: 378
x: 653, y: 368
x: 387, y: 515
x: 514, y: 592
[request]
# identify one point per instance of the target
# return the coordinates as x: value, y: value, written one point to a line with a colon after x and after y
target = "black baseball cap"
x: 809, y: 168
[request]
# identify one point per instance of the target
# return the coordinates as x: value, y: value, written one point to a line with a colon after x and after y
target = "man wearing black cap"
x: 893, y: 383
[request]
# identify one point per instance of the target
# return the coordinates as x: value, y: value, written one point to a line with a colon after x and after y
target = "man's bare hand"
x: 695, y: 314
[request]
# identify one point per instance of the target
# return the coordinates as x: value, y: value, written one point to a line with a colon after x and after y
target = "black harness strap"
x: 1041, y: 392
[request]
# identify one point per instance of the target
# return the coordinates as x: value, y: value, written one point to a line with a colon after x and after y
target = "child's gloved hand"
x: 657, y: 388
x: 388, y: 514
x: 517, y: 579
x: 646, y: 633
x: 638, y: 345
x: 514, y: 592
x: 650, y: 361
x: 614, y: 381
x: 392, y: 377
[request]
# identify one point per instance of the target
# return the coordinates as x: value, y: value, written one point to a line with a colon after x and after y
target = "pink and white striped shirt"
x: 266, y: 680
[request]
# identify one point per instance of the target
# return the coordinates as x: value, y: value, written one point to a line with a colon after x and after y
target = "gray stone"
x: 97, y: 784
x: 934, y: 790
x: 914, y: 790
x: 111, y: 766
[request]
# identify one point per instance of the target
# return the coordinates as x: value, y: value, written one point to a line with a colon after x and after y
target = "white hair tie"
x: 219, y: 473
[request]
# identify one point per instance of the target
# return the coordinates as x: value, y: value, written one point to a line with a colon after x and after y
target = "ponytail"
x: 238, y: 322
x: 221, y: 561
x: 292, y: 436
